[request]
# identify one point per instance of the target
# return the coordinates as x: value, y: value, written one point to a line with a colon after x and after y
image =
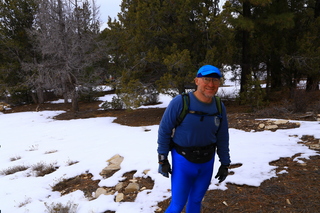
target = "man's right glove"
x: 164, y: 166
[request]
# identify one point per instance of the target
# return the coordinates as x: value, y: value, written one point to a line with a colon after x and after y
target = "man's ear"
x: 196, y: 81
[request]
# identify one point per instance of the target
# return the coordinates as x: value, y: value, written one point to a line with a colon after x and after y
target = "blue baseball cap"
x: 209, y: 71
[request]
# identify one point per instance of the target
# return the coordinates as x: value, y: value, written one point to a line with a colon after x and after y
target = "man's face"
x: 207, y: 86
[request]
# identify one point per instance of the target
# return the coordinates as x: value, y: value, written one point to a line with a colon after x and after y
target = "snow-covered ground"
x: 35, y: 137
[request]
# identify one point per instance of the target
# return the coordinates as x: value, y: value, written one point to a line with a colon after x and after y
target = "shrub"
x: 43, y: 169
x: 70, y: 162
x: 300, y: 101
x: 15, y: 158
x: 51, y: 151
x: 151, y: 98
x: 132, y: 95
x: 61, y: 208
x: 12, y: 170
x: 253, y: 95
x: 24, y: 203
x: 88, y: 94
x: 33, y: 148
x: 116, y: 103
x: 303, y: 101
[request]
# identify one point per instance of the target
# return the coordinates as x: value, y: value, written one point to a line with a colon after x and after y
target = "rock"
x: 116, y: 159
x: 143, y: 188
x: 114, y: 165
x: 146, y: 171
x: 261, y: 126
x: 4, y: 106
x: 119, y: 186
x: 277, y: 122
x: 103, y: 191
x: 100, y: 191
x: 288, y: 201
x: 314, y: 146
x: 270, y: 127
x: 132, y: 187
x: 119, y: 197
x: 133, y: 180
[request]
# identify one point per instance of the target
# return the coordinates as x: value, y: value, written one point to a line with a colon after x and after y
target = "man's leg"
x: 200, y: 187
x: 184, y: 174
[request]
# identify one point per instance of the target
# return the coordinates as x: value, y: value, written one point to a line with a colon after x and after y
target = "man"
x: 193, y: 143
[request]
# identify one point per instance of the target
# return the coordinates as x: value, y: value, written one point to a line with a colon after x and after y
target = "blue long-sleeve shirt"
x: 194, y: 130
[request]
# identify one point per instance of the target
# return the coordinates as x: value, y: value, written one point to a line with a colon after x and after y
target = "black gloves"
x: 222, y: 173
x: 164, y: 166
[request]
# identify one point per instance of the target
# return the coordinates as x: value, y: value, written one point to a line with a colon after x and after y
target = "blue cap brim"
x: 209, y: 71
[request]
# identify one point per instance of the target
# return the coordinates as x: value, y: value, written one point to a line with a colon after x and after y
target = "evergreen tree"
x: 161, y: 41
x: 305, y: 58
x: 16, y: 18
x: 221, y: 45
x: 257, y: 28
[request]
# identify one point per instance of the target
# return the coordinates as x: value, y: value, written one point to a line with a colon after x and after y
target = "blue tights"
x: 189, y: 183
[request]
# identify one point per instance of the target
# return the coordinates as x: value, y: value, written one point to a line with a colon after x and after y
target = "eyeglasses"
x: 215, y: 81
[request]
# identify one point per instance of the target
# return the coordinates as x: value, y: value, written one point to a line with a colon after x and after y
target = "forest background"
x: 55, y: 48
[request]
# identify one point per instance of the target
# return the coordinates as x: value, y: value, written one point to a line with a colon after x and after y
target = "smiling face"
x: 206, y: 88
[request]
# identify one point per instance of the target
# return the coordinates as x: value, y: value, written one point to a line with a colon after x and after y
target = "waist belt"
x: 196, y: 154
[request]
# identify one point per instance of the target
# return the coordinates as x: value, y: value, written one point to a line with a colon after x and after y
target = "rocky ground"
x: 295, y: 191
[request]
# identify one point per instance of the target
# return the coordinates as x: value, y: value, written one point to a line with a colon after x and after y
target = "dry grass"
x: 51, y: 151
x: 12, y: 170
x: 61, y: 208
x: 43, y: 169
x: 70, y: 162
x: 15, y: 158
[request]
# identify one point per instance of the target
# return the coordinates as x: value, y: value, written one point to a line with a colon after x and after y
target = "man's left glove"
x: 164, y: 166
x: 222, y: 173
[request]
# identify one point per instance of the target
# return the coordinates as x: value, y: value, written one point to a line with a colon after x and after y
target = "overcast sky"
x: 112, y: 8
x: 108, y: 8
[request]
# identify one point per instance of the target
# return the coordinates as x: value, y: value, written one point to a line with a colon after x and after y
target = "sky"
x: 108, y: 8
x: 112, y: 8
x: 35, y: 137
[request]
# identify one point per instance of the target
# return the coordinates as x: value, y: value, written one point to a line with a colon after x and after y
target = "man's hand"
x: 164, y: 166
x: 222, y: 173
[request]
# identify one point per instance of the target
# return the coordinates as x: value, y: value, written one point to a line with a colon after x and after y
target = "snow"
x: 35, y: 137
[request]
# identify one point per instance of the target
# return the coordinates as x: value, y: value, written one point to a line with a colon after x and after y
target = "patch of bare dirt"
x: 295, y: 190
x: 85, y: 183
x: 81, y: 182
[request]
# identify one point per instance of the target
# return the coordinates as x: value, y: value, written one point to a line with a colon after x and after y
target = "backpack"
x: 185, y: 108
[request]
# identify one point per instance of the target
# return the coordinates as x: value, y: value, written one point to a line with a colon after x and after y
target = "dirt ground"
x: 298, y: 190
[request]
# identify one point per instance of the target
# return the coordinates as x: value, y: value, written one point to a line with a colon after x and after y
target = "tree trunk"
x: 275, y: 68
x: 40, y: 96
x: 312, y: 84
x: 246, y: 65
x: 75, y: 102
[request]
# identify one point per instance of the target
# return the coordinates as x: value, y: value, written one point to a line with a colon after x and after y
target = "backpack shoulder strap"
x: 185, y: 108
x: 218, y: 103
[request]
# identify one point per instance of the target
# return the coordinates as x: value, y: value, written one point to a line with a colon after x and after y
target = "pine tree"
x: 159, y: 41
x: 17, y: 18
